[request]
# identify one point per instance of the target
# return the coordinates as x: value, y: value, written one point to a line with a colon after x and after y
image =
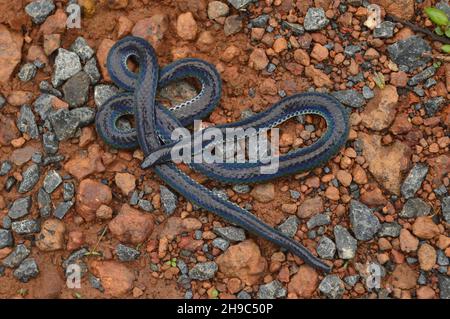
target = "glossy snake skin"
x: 154, y: 124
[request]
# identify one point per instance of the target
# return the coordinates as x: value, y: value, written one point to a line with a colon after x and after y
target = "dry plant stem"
x: 416, y: 28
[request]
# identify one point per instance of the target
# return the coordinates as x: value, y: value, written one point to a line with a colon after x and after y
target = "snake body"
x: 154, y: 124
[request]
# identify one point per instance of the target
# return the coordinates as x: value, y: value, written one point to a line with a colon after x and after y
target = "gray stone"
x: 168, y: 199
x: 326, y: 248
x: 434, y: 104
x: 315, y: 19
x: 289, y: 226
x: 30, y: 178
x: 363, y: 222
x: 390, y: 230
x: 5, y: 168
x: 260, y: 22
x: 27, y: 270
x: 345, y: 243
x: 384, y: 30
x: 82, y: 48
x: 408, y: 52
x: 125, y: 253
x: 6, y: 238
x: 297, y: 29
x: 51, y: 181
x: 232, y: 25
x: 182, y: 266
x: 294, y: 194
x: 16, y: 257
x: 221, y: 243
x: 52, y: 159
x: 46, y: 88
x: 350, y: 98
x: 75, y: 257
x: 26, y: 226
x: 37, y: 157
x: 68, y: 191
x: 95, y: 283
x: 64, y: 124
x: 44, y: 203
x: 445, y: 208
x: 62, y: 209
x: 39, y: 10
x: 67, y: 64
x: 76, y: 89
x: 145, y: 205
x: 444, y: 286
x: 26, y: 122
x: 412, y: 182
x: 6, y: 222
x: 50, y: 142
x: 91, y: 69
x: 442, y: 259
x: 272, y: 290
x: 27, y: 72
x: 20, y: 208
x: 367, y: 92
x: 10, y: 182
x: 84, y: 115
x: 230, y: 233
x: 351, y: 50
x: 318, y: 220
x: 102, y: 92
x: 43, y: 105
x: 2, y: 101
x: 351, y: 280
x: 241, y: 188
x: 415, y: 207
x: 203, y: 271
x: 239, y: 4
x: 422, y: 76
x: 332, y: 287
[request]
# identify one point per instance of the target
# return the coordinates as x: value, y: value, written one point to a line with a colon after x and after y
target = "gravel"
x: 125, y: 253
x: 27, y: 270
x: 2, y: 101
x: 66, y: 122
x: 76, y: 89
x: 62, y: 209
x: 444, y: 286
x: 239, y: 4
x: 363, y: 222
x: 315, y: 19
x: 415, y: 207
x: 326, y: 248
x: 51, y: 181
x: 350, y: 98
x: 43, y: 105
x: 408, y: 52
x: 422, y: 76
x: 26, y: 122
x: 39, y: 10
x: 230, y: 233
x: 241, y: 189
x: 95, y: 283
x: 27, y: 72
x: 318, y: 220
x: 260, y: 22
x: 271, y: 290
x: 26, y: 226
x: 168, y: 199
x: 221, y: 243
x: 91, y: 69
x: 30, y: 178
x: 203, y: 271
x: 82, y: 48
x: 332, y: 287
x: 68, y: 191
x: 103, y: 92
x: 6, y: 238
x: 351, y: 280
x: 289, y: 226
x: 44, y: 203
x: 5, y: 168
x: 412, y: 182
x: 67, y: 64
x: 345, y: 243
x: 50, y: 142
x: 16, y: 257
x: 20, y: 208
x: 385, y: 30
x: 434, y: 104
x: 390, y: 230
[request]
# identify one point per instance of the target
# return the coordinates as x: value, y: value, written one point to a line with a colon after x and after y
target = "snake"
x: 154, y: 122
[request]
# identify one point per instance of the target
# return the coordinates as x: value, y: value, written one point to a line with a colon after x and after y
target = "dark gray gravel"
x: 27, y: 72
x: 326, y: 248
x: 26, y: 226
x: 315, y: 19
x: 203, y: 271
x: 364, y: 223
x: 6, y: 238
x: 26, y: 122
x: 27, y: 270
x: 408, y: 52
x: 414, y: 179
x: 51, y: 181
x: 62, y: 209
x: 289, y: 226
x: 415, y: 207
x: 82, y: 48
x: 30, y: 178
x: 20, y: 208
x: 44, y: 203
x: 76, y: 89
x: 271, y: 290
x: 50, y: 142
x: 168, y: 199
x: 390, y: 230
x: 230, y: 233
x: 350, y: 98
x: 125, y: 253
x: 39, y: 10
x: 332, y: 287
x: 67, y: 64
x: 345, y: 243
x: 16, y: 257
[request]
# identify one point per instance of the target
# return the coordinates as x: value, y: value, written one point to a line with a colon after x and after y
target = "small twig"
x: 441, y: 57
x: 416, y: 28
x: 93, y: 251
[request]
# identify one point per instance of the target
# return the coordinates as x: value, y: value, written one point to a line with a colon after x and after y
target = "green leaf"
x: 438, y: 31
x: 438, y: 17
x: 446, y: 48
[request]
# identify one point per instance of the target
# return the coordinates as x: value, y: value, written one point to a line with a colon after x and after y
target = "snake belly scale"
x: 154, y: 124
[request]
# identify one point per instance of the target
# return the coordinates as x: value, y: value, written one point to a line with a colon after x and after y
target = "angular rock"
x: 239, y: 4
x: 230, y: 233
x: 27, y: 72
x: 168, y: 199
x: 91, y: 69
x: 131, y: 226
x: 125, y: 253
x: 116, y: 278
x: 82, y: 48
x: 364, y: 223
x: 272, y: 290
x: 26, y: 226
x: 350, y: 98
x: 422, y: 76
x: 332, y: 287
x: 67, y: 64
x: 380, y: 111
x: 415, y: 207
x: 345, y: 243
x: 326, y: 248
x: 51, y: 181
x: 27, y: 270
x: 30, y: 178
x: 26, y: 122
x: 62, y: 209
x: 390, y: 230
x: 315, y: 19
x: 16, y: 257
x: 44, y: 203
x: 6, y: 238
x: 11, y: 53
x: 20, y: 208
x: 289, y: 226
x: 203, y: 271
x: 39, y: 10
x: 50, y: 142
x: 76, y: 89
x: 318, y: 220
x: 409, y: 52
x: 414, y: 180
